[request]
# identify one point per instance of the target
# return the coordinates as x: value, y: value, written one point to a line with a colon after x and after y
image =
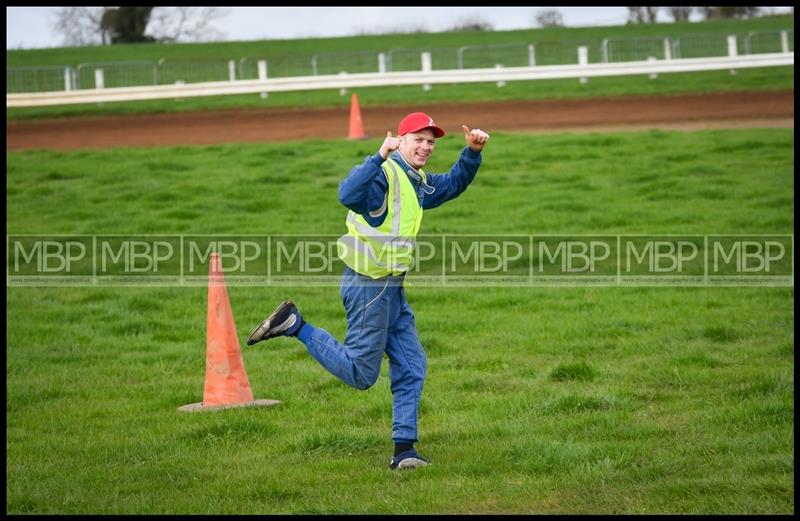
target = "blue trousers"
x: 379, y: 320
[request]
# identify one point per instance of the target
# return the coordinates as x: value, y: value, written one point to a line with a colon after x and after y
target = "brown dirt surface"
x: 673, y: 112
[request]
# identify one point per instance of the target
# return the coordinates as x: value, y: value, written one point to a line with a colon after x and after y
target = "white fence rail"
x: 336, y: 81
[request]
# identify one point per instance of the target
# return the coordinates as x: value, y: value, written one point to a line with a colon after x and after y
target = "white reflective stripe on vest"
x: 377, y: 235
x: 396, y: 213
x: 351, y: 242
x: 379, y: 211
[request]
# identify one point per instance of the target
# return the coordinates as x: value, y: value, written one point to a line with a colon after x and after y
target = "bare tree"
x: 81, y: 25
x: 642, y: 15
x: 550, y: 18
x: 680, y: 14
x: 127, y: 24
x: 173, y: 24
x: 101, y: 25
x: 719, y: 12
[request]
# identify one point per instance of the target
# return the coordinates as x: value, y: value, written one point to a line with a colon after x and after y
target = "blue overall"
x: 379, y: 320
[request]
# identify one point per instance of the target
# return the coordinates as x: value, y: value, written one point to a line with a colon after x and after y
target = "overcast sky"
x: 32, y: 27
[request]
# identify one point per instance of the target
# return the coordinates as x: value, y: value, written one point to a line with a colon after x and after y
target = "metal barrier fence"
x: 702, y: 45
x: 116, y: 74
x: 285, y: 66
x: 563, y: 52
x: 40, y: 79
x: 350, y: 62
x: 171, y: 71
x: 583, y: 71
x: 404, y: 59
x: 508, y: 55
x: 619, y: 50
x: 773, y: 41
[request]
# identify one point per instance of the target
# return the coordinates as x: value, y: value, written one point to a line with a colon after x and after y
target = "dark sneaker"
x: 408, y: 460
x: 284, y: 321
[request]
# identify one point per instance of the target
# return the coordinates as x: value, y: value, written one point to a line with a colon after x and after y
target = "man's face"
x: 417, y: 147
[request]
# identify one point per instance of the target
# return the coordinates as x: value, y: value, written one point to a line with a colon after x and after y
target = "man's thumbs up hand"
x: 389, y: 145
x: 476, y: 138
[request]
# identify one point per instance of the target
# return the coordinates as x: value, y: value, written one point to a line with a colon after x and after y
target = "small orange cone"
x: 226, y: 379
x: 356, y: 127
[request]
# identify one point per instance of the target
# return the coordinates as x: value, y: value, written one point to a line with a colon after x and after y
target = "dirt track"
x: 685, y: 112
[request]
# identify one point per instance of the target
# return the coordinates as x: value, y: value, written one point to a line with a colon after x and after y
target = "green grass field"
x: 538, y: 400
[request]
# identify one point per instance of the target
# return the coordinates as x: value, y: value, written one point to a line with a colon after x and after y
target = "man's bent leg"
x: 357, y: 362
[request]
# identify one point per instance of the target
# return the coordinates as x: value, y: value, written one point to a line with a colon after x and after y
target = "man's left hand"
x: 476, y: 138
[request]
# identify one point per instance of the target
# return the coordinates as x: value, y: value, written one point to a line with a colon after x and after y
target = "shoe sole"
x: 411, y: 463
x: 266, y: 323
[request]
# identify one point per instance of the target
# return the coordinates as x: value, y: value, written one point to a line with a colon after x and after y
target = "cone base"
x: 196, y: 407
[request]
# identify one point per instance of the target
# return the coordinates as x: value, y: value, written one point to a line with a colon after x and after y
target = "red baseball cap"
x: 417, y: 121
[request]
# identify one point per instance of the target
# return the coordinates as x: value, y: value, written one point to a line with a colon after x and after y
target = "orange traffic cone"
x: 356, y: 128
x: 226, y: 380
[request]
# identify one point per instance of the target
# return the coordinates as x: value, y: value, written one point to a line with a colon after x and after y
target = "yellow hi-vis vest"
x: 389, y: 248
